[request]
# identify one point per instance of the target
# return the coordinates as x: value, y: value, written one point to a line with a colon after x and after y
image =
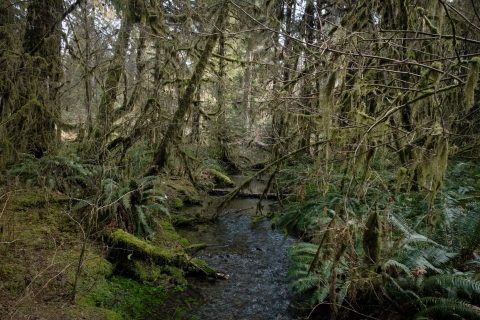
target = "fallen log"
x: 246, y: 194
x: 125, y: 246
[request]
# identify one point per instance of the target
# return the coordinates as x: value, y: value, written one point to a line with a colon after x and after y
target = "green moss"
x: 177, y: 275
x: 220, y: 179
x: 168, y: 232
x: 186, y: 191
x: 32, y: 199
x: 178, y: 203
x: 144, y: 271
x: 137, y: 247
x: 198, y: 265
x: 196, y: 246
x: 111, y: 315
x: 99, y: 266
x: 126, y: 298
x: 12, y: 278
x: 37, y: 198
x: 184, y: 242
x: 257, y: 218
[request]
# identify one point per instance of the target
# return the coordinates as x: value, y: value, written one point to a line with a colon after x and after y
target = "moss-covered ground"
x: 40, y: 244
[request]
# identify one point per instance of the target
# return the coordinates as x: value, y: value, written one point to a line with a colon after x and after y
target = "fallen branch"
x: 246, y: 194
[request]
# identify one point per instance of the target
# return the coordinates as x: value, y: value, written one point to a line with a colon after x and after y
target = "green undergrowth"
x: 41, y: 239
x: 130, y: 299
x: 370, y: 233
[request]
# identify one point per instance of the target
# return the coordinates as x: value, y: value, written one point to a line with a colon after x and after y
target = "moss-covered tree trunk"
x: 37, y: 110
x: 186, y: 99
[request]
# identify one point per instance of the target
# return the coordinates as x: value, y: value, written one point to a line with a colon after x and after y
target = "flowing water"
x: 253, y: 255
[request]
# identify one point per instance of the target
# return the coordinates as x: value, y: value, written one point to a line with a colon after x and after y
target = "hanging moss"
x: 471, y: 83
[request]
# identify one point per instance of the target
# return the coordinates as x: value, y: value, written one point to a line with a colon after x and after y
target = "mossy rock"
x: 185, y: 191
x: 220, y: 180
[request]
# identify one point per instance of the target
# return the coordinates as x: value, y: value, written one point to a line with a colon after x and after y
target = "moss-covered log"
x: 220, y: 179
x: 125, y: 247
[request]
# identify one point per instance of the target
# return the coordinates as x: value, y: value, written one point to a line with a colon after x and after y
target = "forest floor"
x: 40, y: 245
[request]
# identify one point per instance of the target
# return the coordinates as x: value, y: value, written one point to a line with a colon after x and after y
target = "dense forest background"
x: 363, y: 115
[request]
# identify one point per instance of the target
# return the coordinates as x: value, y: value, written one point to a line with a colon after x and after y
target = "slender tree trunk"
x: 280, y: 117
x: 88, y: 66
x: 247, y: 84
x: 185, y: 100
x: 106, y: 116
x: 195, y: 135
x: 222, y: 132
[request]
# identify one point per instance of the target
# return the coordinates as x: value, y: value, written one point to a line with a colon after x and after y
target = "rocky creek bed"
x: 254, y: 255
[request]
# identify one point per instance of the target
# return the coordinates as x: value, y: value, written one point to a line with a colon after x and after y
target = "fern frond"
x: 396, y: 265
x: 157, y: 207
x: 453, y: 283
x: 144, y: 223
x: 447, y: 308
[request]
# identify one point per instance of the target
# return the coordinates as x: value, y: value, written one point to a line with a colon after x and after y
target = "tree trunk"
x: 185, y: 100
x: 39, y: 107
x: 247, y: 84
x: 106, y: 115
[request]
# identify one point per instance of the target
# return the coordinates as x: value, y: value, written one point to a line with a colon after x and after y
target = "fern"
x: 452, y: 283
x: 442, y: 308
x: 138, y: 199
x: 68, y: 175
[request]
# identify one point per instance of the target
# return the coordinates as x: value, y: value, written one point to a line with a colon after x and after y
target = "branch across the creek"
x: 247, y: 194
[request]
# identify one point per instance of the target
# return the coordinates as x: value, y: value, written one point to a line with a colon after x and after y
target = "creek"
x: 253, y: 254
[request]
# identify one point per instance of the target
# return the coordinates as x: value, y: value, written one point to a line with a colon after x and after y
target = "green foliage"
x: 445, y: 308
x: 317, y: 210
x: 67, y: 174
x: 427, y: 259
x: 136, y: 204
